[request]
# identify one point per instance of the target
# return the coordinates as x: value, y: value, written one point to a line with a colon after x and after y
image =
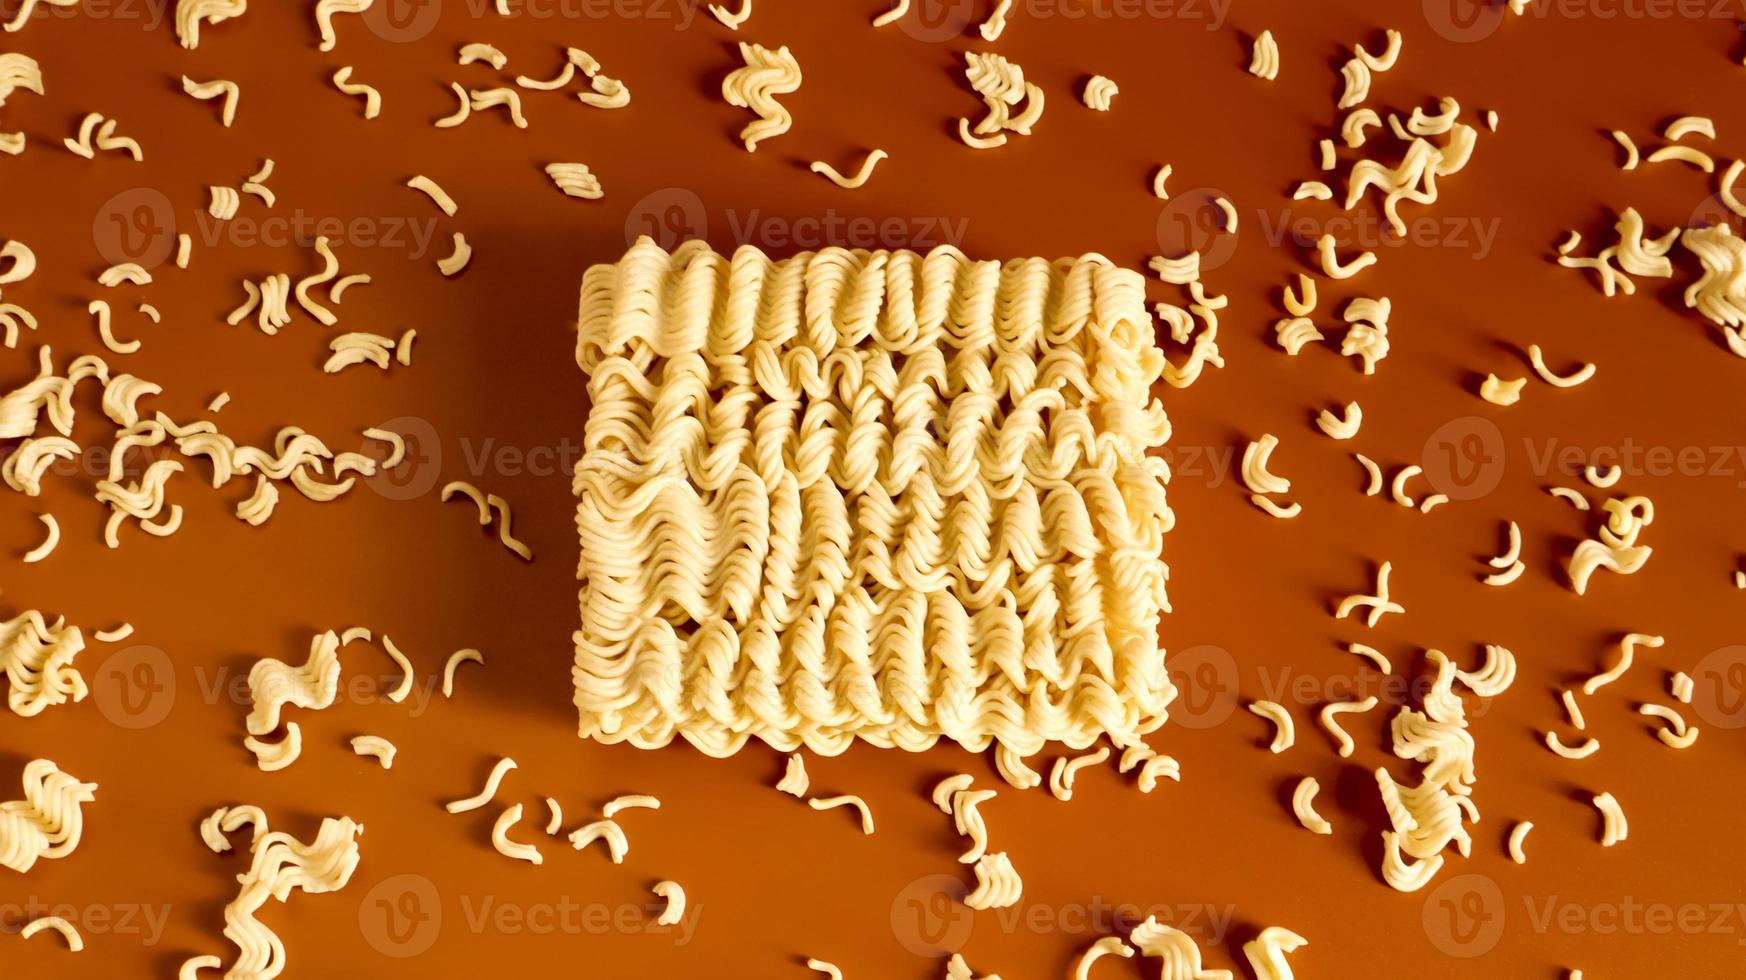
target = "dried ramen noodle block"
x: 881, y: 495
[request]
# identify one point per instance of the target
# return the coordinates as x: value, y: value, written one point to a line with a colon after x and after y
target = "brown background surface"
x: 494, y: 396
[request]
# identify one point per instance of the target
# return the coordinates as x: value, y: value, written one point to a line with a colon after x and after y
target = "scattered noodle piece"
x: 215, y: 89
x: 825, y: 967
x: 1296, y: 332
x: 273, y: 756
x: 500, y: 508
x: 1519, y: 834
x: 1159, y: 176
x: 1398, y: 873
x: 1572, y: 710
x: 402, y: 689
x: 1630, y: 150
x: 1066, y: 770
x: 794, y: 779
x: 1681, y: 686
x: 1384, y: 61
x: 372, y: 98
x: 766, y: 75
x: 1355, y: 75
x: 472, y: 493
x: 1098, y: 93
x: 75, y: 942
x: 1602, y: 478
x: 1614, y: 828
x: 498, y: 771
x: 1575, y: 499
x: 832, y: 802
x: 115, y: 635
x: 1303, y: 806
x: 1333, y: 268
x: 1683, y: 154
x: 997, y: 883
x: 1312, y: 190
x: 1302, y: 302
x: 1284, y: 730
x: 575, y: 180
x: 1107, y: 946
x: 48, y: 823
x: 731, y: 19
x: 556, y: 820
x: 1375, y: 472
x: 50, y: 542
x: 1343, y: 426
x: 457, y: 259
x: 460, y: 115
x: 503, y: 96
x: 670, y: 891
x: 377, y: 747
x: 1725, y: 187
x: 1372, y: 654
x: 434, y: 191
x: 483, y: 52
x: 1500, y: 392
x: 638, y: 801
x: 1622, y: 663
x: 1513, y: 551
x: 1571, y: 380
x: 992, y: 28
x: 1266, y: 952
x: 1353, y: 126
x: 617, y: 844
x: 1402, y: 477
x: 1255, y: 473
x: 1275, y: 510
x: 1677, y: 735
x: 508, y: 848
x: 1586, y: 748
x: 1264, y: 57
x: 1229, y: 211
x: 1378, y: 603
x: 346, y: 282
x: 1330, y: 721
x: 455, y: 660
x: 897, y: 10
x: 1686, y: 125
x: 324, y: 11
x: 861, y: 174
